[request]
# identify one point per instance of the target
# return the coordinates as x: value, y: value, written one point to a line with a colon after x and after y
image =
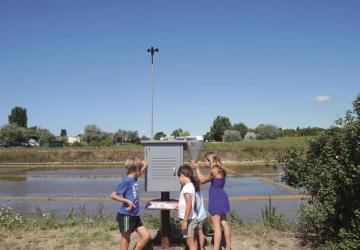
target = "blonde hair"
x: 215, y: 162
x: 133, y: 164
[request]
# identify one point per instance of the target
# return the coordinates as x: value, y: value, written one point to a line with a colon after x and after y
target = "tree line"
x: 223, y: 130
x: 16, y: 132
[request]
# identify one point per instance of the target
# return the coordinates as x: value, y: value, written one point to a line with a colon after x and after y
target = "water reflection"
x: 75, y: 185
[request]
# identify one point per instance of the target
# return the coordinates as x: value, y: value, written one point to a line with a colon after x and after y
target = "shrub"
x: 12, y: 135
x: 266, y: 131
x: 235, y: 219
x: 9, y: 219
x: 241, y: 127
x: 93, y: 133
x: 329, y: 171
x: 250, y: 136
x: 271, y: 219
x: 106, y: 143
x: 231, y: 135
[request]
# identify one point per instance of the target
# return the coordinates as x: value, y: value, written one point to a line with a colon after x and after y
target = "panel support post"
x: 165, y: 223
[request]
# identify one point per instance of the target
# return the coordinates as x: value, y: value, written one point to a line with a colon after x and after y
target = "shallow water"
x: 102, y: 187
x: 74, y: 183
x: 83, y: 171
x: 256, y: 170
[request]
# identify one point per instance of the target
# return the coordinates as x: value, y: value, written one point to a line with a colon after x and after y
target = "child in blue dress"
x: 219, y: 204
x: 128, y: 216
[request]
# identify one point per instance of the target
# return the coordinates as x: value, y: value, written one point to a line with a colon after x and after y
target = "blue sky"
x: 74, y: 63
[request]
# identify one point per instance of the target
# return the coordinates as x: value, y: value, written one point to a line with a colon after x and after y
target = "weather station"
x: 164, y: 158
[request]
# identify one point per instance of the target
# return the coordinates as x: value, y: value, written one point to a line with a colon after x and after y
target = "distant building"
x: 74, y: 139
x: 53, y: 144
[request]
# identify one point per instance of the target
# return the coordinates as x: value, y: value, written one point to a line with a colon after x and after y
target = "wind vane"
x: 152, y: 51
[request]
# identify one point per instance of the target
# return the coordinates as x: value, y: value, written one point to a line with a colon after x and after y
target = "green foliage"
x: 18, y: 116
x: 231, y: 135
x: 220, y: 124
x: 180, y: 132
x: 133, y: 137
x: 9, y: 219
x: 44, y: 220
x: 309, y: 131
x: 32, y: 133
x: 266, y: 131
x: 119, y: 136
x: 144, y: 138
x: 329, y: 171
x: 235, y: 219
x: 94, y: 143
x: 207, y: 136
x: 271, y: 219
x: 185, y: 133
x: 106, y: 143
x: 41, y: 135
x: 159, y: 135
x: 288, y: 132
x: 250, y: 136
x: 44, y: 135
x: 241, y: 127
x: 122, y: 136
x: 177, y: 132
x: 93, y: 133
x: 12, y: 135
x: 151, y: 220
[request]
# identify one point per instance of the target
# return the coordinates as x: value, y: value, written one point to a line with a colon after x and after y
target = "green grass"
x: 255, y: 150
x: 69, y: 154
x: 228, y: 151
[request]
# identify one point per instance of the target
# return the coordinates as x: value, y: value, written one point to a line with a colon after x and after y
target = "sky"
x: 74, y: 63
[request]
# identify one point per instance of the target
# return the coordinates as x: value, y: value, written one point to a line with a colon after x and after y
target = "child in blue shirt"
x: 201, y: 215
x: 128, y: 216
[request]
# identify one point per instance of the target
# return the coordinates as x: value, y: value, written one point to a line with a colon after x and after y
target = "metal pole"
x: 152, y: 51
x: 152, y: 101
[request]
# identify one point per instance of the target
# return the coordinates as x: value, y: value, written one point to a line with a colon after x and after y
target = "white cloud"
x: 322, y: 98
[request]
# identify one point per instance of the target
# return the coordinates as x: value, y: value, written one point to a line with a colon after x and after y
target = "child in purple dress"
x: 219, y: 204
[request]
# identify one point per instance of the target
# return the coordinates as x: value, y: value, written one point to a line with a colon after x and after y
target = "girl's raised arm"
x: 143, y: 167
x: 202, y: 178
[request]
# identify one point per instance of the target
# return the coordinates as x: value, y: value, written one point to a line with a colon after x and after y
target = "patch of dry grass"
x: 228, y: 151
x: 100, y: 238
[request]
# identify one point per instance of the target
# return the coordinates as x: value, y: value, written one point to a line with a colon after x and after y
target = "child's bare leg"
x: 196, y: 240
x: 215, y: 218
x: 201, y: 238
x: 145, y: 237
x: 124, y: 241
x: 227, y: 231
x: 191, y: 243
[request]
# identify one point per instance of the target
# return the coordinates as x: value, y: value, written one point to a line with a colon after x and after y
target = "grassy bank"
x: 231, y: 151
x: 98, y: 231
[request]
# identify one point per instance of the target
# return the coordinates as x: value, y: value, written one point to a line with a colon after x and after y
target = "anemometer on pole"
x: 152, y: 51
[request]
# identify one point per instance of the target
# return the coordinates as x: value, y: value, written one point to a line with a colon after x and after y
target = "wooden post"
x: 165, y: 223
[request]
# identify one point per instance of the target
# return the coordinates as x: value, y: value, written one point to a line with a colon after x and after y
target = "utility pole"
x: 152, y: 51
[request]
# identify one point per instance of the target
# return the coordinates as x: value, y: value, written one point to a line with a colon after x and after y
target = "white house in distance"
x: 73, y: 139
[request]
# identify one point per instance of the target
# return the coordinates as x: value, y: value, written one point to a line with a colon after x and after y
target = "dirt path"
x: 101, y: 238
